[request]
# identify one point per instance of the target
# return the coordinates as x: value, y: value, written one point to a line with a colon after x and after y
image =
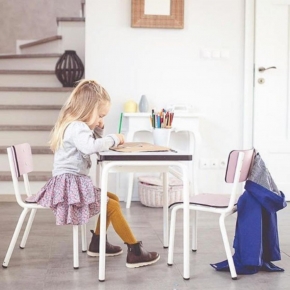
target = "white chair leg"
x: 76, y: 246
x: 194, y: 231
x: 165, y: 210
x: 227, y: 247
x: 14, y: 238
x: 130, y: 189
x: 172, y: 234
x: 84, y: 238
x: 27, y: 229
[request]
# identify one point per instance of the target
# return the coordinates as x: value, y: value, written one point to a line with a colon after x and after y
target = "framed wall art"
x: 157, y: 14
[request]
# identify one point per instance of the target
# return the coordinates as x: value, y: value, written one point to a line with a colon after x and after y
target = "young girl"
x: 70, y: 193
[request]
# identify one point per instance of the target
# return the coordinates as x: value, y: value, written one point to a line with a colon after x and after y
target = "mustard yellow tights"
x: 119, y: 223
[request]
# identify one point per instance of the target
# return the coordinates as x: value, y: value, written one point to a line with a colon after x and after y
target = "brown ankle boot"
x: 137, y: 256
x: 95, y: 244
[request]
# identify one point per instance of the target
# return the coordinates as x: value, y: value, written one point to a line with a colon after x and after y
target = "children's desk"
x: 182, y: 122
x: 162, y: 162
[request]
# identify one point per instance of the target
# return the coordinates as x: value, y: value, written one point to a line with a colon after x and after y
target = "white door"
x: 271, y: 135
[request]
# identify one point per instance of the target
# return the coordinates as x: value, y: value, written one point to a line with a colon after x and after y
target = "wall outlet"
x: 204, y: 163
x: 223, y: 163
x: 214, y: 163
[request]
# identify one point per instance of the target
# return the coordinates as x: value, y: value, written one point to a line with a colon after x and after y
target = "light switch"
x: 215, y: 54
x: 205, y: 53
x: 225, y: 53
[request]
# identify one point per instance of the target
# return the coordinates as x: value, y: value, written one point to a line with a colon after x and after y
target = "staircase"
x: 31, y: 97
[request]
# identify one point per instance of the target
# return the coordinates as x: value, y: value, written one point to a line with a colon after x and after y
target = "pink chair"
x: 239, y: 164
x: 20, y: 161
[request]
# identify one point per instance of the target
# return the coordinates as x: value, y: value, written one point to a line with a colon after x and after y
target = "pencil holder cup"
x: 161, y: 136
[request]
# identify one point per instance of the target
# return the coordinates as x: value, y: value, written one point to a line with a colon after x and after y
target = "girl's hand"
x: 101, y: 124
x: 121, y: 138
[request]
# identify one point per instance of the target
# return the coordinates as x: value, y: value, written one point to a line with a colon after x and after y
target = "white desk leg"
x: 98, y: 184
x: 186, y: 269
x: 130, y: 189
x: 195, y: 139
x: 98, y: 174
x: 103, y: 214
x: 165, y: 210
x: 129, y: 138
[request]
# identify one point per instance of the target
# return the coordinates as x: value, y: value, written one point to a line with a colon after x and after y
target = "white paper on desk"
x: 139, y: 147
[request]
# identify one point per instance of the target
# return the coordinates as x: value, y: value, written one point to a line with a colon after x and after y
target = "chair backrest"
x: 247, y: 160
x: 21, y: 163
x: 238, y: 168
x: 22, y: 159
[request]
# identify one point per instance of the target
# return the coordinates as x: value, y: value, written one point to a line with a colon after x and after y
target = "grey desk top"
x: 144, y: 156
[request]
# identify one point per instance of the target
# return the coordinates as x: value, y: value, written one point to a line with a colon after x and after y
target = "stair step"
x: 70, y: 19
x: 25, y: 117
x: 29, y: 55
x: 41, y: 41
x: 26, y: 72
x: 33, y: 176
x: 41, y: 162
x: 28, y: 79
x: 46, y: 98
x: 34, y: 150
x: 26, y: 127
x: 30, y: 107
x: 34, y: 138
x: 35, y: 89
x: 33, y: 61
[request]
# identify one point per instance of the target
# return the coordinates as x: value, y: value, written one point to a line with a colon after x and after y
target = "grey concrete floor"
x: 47, y: 261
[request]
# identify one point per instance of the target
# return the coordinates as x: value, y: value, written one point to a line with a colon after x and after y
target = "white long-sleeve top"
x: 79, y: 142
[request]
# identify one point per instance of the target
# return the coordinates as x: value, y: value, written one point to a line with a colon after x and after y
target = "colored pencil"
x: 120, y: 123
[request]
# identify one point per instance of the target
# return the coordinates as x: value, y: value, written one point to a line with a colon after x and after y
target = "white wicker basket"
x: 151, y: 191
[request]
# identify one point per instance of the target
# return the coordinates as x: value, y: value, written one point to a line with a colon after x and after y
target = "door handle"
x: 262, y: 69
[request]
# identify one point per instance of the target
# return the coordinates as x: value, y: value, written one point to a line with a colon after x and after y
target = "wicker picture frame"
x: 174, y: 20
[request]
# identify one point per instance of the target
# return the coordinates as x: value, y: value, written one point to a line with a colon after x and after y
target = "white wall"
x: 169, y: 66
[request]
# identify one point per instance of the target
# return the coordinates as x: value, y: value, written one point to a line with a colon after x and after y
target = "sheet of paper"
x: 139, y: 147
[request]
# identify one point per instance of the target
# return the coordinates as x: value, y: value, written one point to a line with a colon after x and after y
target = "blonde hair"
x: 80, y: 106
